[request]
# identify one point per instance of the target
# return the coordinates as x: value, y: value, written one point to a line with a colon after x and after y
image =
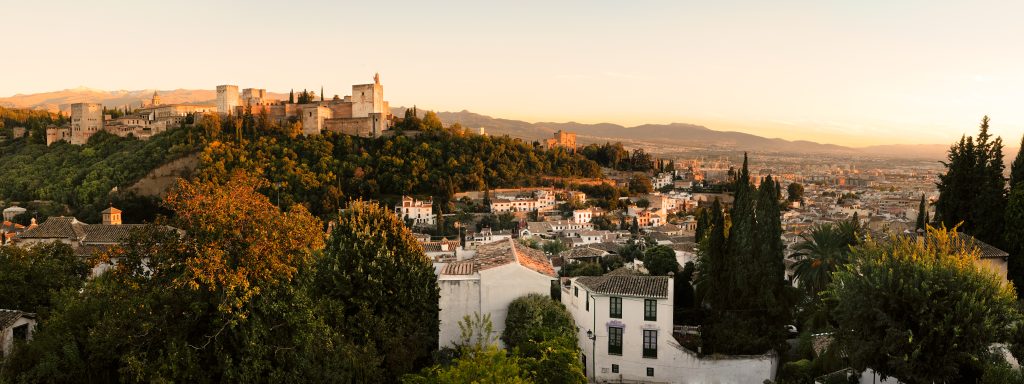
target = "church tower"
x: 156, y: 99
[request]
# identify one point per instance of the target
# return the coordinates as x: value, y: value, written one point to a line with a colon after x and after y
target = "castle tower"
x: 156, y: 99
x: 86, y: 120
x: 227, y: 98
x: 369, y: 98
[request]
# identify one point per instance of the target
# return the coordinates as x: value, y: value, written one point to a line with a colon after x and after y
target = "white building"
x: 582, y: 215
x: 419, y: 211
x: 626, y: 334
x: 541, y: 200
x: 488, y: 282
x: 15, y: 326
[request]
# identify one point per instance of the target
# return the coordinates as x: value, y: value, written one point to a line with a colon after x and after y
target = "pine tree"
x: 922, y: 215
x: 1017, y: 167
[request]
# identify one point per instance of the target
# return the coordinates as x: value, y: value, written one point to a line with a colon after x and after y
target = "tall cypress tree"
x: 972, y: 192
x: 1017, y: 167
x: 922, y: 214
x: 771, y: 269
x: 291, y: 96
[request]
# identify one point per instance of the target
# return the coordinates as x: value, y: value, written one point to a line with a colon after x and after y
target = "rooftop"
x: 9, y: 316
x: 639, y: 286
x: 500, y: 253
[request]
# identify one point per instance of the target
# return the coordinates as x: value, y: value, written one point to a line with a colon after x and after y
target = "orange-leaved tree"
x: 243, y: 242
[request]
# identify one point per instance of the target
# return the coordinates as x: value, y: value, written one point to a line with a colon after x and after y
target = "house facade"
x: 15, y: 326
x: 487, y: 283
x: 421, y: 212
x: 626, y: 335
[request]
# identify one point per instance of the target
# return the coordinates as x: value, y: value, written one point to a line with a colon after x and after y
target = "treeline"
x: 617, y: 157
x: 35, y: 121
x: 83, y: 176
x: 326, y: 170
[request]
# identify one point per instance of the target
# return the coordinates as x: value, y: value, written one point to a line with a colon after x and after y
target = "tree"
x: 291, y: 96
x: 1014, y: 237
x: 922, y: 215
x: 956, y: 308
x: 535, y: 318
x: 611, y: 262
x: 640, y: 183
x: 237, y: 260
x: 30, y: 277
x: 823, y: 250
x: 660, y: 261
x: 795, y: 191
x: 742, y: 275
x: 554, y: 247
x: 374, y: 276
x: 581, y: 269
x: 1017, y: 167
x: 643, y: 203
x: 972, y: 192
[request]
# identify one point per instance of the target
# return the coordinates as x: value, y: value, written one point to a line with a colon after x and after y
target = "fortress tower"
x: 227, y: 98
x: 86, y: 120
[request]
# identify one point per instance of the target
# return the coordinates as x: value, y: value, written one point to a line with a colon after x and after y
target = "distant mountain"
x: 678, y: 134
x: 61, y: 100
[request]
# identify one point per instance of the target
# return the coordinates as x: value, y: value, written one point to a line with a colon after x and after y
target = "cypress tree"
x: 321, y: 93
x: 291, y: 96
x: 771, y: 269
x: 1017, y: 167
x: 922, y: 214
x: 972, y: 192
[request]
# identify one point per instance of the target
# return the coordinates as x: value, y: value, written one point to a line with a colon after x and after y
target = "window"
x: 615, y: 368
x: 614, y: 341
x: 650, y: 371
x: 615, y: 307
x: 21, y: 332
x: 651, y: 343
x: 576, y: 291
x: 650, y: 310
x: 588, y: 303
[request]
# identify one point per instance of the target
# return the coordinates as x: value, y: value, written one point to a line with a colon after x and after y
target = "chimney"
x: 111, y: 216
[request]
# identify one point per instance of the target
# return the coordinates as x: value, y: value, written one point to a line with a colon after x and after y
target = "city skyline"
x: 850, y: 74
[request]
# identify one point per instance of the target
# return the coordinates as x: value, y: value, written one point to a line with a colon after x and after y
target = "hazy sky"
x: 847, y: 72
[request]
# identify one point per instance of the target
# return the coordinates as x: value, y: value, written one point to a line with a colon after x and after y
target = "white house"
x: 582, y: 215
x: 626, y: 334
x: 488, y: 282
x: 15, y: 326
x: 419, y: 211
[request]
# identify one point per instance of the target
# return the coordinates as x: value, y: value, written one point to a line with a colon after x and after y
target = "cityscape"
x: 271, y: 218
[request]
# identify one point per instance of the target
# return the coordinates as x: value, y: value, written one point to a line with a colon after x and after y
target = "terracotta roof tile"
x: 9, y: 316
x: 499, y: 253
x: 640, y: 286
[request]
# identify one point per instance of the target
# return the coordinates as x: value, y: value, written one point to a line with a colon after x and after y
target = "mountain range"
x: 657, y: 135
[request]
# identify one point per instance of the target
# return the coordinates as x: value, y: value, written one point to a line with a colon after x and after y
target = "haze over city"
x: 852, y: 73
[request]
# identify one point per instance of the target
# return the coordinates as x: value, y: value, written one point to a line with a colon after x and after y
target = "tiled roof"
x: 111, y: 210
x: 58, y: 227
x: 9, y: 316
x: 583, y: 252
x: 640, y: 286
x: 500, y: 253
x: 106, y: 233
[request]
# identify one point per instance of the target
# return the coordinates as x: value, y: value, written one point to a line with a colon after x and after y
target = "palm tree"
x: 823, y: 250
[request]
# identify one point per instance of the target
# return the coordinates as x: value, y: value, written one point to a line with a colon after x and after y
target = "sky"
x: 852, y: 73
